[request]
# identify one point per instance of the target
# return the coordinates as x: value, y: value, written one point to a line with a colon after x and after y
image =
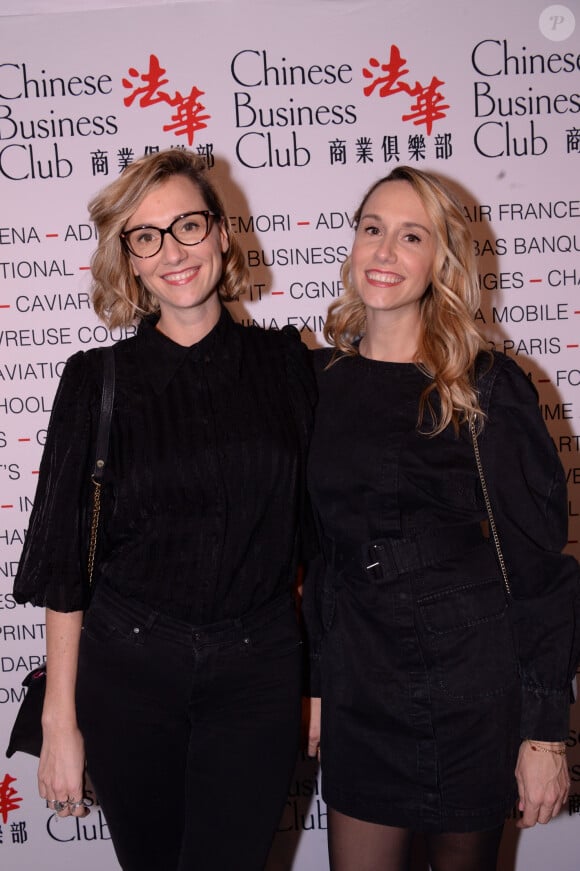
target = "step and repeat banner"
x: 297, y: 107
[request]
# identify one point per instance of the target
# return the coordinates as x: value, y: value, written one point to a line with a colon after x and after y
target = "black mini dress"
x: 430, y: 672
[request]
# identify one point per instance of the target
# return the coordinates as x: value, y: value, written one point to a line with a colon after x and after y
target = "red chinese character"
x: 9, y: 798
x: 394, y: 70
x: 150, y: 93
x: 429, y: 105
x: 188, y: 117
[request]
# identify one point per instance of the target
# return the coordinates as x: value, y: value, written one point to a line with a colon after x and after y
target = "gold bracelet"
x: 560, y: 751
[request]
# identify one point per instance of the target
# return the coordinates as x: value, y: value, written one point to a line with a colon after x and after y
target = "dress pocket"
x: 466, y: 636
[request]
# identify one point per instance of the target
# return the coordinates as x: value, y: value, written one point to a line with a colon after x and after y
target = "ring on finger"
x: 60, y: 805
x: 75, y: 805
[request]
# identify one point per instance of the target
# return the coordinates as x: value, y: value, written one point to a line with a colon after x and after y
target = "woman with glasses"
x: 180, y: 681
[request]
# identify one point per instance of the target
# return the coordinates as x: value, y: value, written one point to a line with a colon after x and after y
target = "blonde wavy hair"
x: 118, y: 295
x: 449, y: 340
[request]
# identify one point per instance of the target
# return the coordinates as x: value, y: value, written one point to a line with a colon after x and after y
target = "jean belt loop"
x: 141, y: 631
x: 151, y: 620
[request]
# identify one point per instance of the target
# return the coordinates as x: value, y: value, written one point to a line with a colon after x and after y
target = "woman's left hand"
x: 543, y: 783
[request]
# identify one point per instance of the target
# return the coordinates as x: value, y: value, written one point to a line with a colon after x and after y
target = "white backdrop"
x: 298, y: 107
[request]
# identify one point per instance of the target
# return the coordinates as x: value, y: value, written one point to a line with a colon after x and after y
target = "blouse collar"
x: 161, y: 357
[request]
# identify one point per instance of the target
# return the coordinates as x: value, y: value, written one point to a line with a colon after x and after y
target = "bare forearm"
x: 314, y: 725
x: 62, y: 647
x: 62, y: 759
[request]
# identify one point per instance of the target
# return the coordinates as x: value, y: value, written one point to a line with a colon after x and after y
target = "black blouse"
x: 205, y: 481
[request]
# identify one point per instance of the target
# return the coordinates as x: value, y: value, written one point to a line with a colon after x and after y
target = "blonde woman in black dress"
x: 444, y: 695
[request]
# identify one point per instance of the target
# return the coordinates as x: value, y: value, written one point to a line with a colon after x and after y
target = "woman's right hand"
x: 62, y: 758
x: 61, y: 770
x: 314, y: 728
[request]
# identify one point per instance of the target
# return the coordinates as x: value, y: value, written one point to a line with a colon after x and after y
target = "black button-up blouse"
x: 205, y: 482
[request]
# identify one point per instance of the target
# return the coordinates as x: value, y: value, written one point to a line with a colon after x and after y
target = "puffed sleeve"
x: 527, y: 489
x: 51, y: 571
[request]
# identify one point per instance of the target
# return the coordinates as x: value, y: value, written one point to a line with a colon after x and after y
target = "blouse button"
x: 136, y: 630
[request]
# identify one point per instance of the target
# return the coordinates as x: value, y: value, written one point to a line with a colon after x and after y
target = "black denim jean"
x: 191, y: 732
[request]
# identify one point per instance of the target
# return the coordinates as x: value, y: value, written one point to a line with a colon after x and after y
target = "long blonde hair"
x: 449, y: 340
x: 118, y: 295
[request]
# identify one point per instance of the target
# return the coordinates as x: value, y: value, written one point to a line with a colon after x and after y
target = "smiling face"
x: 183, y: 279
x: 393, y: 252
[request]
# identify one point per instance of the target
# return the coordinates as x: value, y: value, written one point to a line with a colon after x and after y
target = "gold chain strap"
x: 488, y: 507
x: 102, y: 447
x: 94, y: 528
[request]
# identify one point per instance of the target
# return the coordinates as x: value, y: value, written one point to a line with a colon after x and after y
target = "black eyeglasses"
x: 188, y: 229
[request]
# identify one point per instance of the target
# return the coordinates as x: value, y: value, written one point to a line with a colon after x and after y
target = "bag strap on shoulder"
x: 101, y: 452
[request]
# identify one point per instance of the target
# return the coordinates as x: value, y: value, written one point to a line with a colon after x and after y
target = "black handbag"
x: 26, y: 734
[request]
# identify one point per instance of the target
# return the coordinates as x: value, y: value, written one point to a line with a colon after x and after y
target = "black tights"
x: 355, y: 845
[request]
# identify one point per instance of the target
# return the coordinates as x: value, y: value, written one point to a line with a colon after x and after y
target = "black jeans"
x: 191, y: 733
